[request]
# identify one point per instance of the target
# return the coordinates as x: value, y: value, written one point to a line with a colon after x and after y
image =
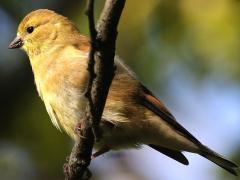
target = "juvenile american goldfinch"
x: 132, y: 116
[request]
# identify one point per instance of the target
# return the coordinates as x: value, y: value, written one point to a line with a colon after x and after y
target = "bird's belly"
x: 116, y: 138
x: 66, y: 110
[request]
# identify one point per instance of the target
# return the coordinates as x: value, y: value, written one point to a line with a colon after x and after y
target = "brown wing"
x: 152, y: 103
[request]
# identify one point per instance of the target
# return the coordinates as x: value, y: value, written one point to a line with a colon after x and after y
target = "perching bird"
x: 132, y: 116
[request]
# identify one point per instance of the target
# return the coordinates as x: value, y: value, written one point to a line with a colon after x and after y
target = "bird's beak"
x: 16, y: 43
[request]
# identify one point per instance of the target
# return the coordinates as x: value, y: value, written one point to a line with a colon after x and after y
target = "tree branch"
x: 91, y: 62
x: 101, y: 72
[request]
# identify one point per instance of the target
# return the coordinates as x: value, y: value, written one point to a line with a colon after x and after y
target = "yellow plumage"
x: 132, y: 116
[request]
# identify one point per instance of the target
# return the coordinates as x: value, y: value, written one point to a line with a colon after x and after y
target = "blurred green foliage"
x: 156, y: 38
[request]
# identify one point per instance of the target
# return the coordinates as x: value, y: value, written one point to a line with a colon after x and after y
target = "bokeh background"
x: 186, y: 52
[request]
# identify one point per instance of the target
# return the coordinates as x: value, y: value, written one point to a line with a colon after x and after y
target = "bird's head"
x: 40, y: 30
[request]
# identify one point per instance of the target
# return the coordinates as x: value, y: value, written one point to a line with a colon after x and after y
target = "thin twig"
x: 93, y: 33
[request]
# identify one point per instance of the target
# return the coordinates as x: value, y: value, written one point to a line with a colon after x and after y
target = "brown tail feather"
x: 219, y: 160
x: 176, y: 155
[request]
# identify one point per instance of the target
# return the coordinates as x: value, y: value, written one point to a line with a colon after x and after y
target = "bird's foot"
x: 78, y: 128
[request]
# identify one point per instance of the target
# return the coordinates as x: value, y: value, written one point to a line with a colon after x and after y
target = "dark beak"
x: 16, y: 43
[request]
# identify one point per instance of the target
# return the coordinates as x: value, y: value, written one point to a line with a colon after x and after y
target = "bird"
x: 133, y: 116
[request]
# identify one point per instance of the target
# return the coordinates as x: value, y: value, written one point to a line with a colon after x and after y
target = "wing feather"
x: 155, y: 105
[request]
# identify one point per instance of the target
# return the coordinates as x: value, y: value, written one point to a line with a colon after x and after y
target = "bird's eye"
x: 30, y: 29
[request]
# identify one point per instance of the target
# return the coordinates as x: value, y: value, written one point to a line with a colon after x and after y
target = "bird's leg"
x: 103, y: 150
x: 100, y: 152
x: 78, y: 130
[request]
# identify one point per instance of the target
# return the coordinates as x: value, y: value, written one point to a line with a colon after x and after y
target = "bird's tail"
x: 219, y: 160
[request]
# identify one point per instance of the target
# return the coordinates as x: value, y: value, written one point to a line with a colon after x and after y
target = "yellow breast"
x: 61, y: 84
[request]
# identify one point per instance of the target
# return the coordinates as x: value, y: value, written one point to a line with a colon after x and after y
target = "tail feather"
x: 176, y: 155
x: 219, y: 160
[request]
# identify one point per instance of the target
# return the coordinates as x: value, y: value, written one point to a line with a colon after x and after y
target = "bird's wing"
x: 177, y: 155
x: 155, y: 105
